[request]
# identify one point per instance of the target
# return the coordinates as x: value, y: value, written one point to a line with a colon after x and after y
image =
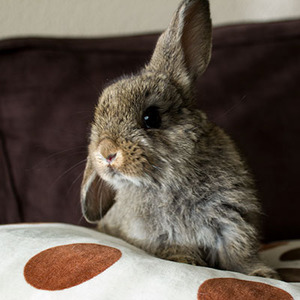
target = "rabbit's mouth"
x: 112, y: 172
x: 118, y: 179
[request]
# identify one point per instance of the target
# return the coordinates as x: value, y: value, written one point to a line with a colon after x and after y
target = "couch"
x: 48, y: 90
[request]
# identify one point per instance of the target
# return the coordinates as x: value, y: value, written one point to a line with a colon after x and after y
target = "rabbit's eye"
x: 151, y: 117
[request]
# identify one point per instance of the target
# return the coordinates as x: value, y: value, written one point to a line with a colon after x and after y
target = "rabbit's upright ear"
x: 96, y: 196
x: 183, y: 51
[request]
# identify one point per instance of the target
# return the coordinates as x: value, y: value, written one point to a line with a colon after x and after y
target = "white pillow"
x: 60, y: 261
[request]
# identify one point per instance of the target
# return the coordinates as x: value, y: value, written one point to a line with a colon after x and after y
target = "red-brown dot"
x: 231, y: 288
x: 65, y: 266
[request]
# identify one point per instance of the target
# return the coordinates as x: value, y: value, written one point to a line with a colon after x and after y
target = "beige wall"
x: 117, y: 17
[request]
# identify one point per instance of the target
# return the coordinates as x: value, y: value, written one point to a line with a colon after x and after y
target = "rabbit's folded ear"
x: 96, y: 196
x: 183, y: 51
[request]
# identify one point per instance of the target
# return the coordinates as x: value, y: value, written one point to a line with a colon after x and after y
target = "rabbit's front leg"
x: 237, y: 251
x: 182, y: 255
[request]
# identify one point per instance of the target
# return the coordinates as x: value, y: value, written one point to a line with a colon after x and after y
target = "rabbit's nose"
x: 108, y: 150
x: 111, y: 157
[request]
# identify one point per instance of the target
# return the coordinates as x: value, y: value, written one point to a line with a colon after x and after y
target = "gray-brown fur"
x: 181, y: 191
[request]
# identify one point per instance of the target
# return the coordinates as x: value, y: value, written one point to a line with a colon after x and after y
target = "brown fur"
x: 181, y: 191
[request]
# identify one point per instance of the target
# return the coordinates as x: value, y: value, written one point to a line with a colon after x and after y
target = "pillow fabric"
x: 59, y: 261
x: 49, y: 87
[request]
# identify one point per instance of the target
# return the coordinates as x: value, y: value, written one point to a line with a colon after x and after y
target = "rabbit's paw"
x: 266, y: 272
x: 185, y: 259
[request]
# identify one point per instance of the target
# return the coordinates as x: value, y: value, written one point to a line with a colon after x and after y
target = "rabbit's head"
x: 145, y: 127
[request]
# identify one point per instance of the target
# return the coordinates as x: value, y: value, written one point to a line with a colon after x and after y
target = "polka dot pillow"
x: 59, y: 261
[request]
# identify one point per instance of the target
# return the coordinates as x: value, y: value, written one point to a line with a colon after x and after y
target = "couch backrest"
x: 49, y: 87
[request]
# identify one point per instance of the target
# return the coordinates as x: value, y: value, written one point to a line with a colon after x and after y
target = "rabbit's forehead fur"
x: 129, y: 97
x: 145, y: 153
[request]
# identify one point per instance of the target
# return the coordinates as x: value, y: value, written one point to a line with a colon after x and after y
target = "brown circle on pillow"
x: 289, y: 274
x: 231, y: 288
x: 293, y: 254
x: 65, y: 266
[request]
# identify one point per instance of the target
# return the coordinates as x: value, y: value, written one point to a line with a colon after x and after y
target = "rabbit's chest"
x: 150, y: 223
x: 164, y: 228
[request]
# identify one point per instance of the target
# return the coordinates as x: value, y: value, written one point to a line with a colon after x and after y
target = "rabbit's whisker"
x: 74, y: 181
x: 99, y: 195
x: 68, y: 171
x: 46, y: 161
x: 233, y: 107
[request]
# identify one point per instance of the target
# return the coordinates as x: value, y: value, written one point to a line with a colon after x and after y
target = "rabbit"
x: 159, y: 174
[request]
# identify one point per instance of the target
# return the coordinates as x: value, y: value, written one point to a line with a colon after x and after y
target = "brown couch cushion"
x: 49, y: 88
